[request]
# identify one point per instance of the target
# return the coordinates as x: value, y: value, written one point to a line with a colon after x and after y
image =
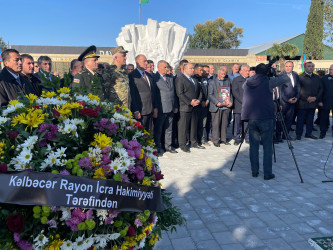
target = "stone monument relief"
x: 157, y: 41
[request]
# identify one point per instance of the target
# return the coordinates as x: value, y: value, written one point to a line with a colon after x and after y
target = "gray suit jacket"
x: 168, y: 100
x: 213, y: 94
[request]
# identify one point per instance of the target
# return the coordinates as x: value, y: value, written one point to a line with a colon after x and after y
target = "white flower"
x: 30, y: 142
x: 25, y: 156
x: 3, y: 119
x: 80, y: 244
x: 62, y: 95
x: 12, y: 108
x: 66, y: 213
x: 86, y: 99
x: 113, y: 236
x: 67, y: 245
x: 122, y: 152
x: 40, y: 241
x: 95, y: 152
x: 61, y: 152
x: 101, y: 241
x: 102, y: 214
x: 17, y: 164
x: 50, y: 101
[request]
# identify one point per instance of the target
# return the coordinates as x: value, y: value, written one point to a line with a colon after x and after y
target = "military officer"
x: 88, y: 80
x: 116, y: 83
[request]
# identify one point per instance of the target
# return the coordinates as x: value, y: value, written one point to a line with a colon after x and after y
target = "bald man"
x: 143, y: 93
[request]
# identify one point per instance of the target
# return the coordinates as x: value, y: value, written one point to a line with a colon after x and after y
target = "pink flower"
x: 139, y: 173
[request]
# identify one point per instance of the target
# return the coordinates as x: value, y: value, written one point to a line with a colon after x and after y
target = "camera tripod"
x: 279, y: 117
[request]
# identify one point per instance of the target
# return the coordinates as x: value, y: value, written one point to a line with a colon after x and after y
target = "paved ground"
x: 233, y: 210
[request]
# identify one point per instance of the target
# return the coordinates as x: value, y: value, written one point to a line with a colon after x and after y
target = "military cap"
x: 90, y: 52
x: 119, y: 49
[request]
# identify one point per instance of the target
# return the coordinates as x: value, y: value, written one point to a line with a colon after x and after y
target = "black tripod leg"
x: 274, y: 152
x: 240, y: 145
x: 285, y: 132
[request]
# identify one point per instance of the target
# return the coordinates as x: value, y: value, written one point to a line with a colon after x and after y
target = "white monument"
x: 157, y: 41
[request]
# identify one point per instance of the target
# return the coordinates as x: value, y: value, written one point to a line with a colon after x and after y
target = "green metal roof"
x: 297, y: 40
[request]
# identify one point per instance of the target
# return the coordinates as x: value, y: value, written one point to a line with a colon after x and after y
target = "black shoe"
x: 276, y: 141
x: 322, y: 136
x: 171, y: 150
x: 206, y: 143
x: 186, y: 150
x: 291, y: 129
x: 298, y: 137
x: 311, y: 137
x: 225, y: 143
x: 236, y: 143
x: 198, y: 146
x: 255, y: 174
x: 216, y: 144
x: 314, y: 129
x: 268, y: 177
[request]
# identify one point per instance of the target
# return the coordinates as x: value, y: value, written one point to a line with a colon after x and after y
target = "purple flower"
x: 52, y: 223
x: 16, y: 237
x: 64, y: 172
x: 130, y: 153
x: 124, y: 142
x: 107, y: 126
x: 124, y: 177
x: 24, y: 245
x: 77, y: 212
x: 108, y: 220
x: 139, y: 173
x: 89, y: 214
x: 51, y: 133
x: 106, y: 150
x: 137, y: 223
x: 85, y: 163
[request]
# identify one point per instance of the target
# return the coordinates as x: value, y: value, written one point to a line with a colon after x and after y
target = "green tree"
x: 282, y: 51
x: 2, y: 44
x: 313, y: 41
x: 328, y: 22
x: 217, y: 34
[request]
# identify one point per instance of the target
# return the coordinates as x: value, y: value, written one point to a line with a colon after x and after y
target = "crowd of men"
x: 184, y: 110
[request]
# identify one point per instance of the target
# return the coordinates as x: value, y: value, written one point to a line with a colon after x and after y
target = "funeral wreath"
x: 78, y: 173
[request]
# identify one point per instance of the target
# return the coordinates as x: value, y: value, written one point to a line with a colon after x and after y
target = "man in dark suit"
x: 327, y: 98
x: 237, y: 93
x: 203, y: 107
x: 167, y: 106
x: 189, y: 93
x: 11, y: 81
x: 310, y: 98
x: 289, y: 95
x: 143, y: 93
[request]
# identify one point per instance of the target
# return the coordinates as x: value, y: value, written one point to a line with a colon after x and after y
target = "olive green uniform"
x: 116, y: 85
x: 85, y: 82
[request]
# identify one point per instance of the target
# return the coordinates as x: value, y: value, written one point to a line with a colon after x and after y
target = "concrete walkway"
x: 233, y: 210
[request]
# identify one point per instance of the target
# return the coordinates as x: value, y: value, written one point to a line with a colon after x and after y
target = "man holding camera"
x: 258, y: 109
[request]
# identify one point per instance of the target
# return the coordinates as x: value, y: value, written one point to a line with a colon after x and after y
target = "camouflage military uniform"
x: 116, y: 85
x: 85, y: 82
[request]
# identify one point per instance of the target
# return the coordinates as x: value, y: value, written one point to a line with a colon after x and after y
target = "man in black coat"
x: 143, y: 92
x: 189, y: 93
x: 327, y: 100
x: 310, y: 98
x: 27, y: 74
x: 167, y: 106
x: 289, y: 95
x: 237, y: 93
x: 11, y: 81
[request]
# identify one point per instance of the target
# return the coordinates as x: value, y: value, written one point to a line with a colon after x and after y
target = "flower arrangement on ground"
x: 70, y: 134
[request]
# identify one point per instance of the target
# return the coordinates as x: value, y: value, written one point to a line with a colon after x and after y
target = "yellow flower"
x: 146, y: 181
x: 31, y: 98
x: 48, y: 94
x: 13, y: 102
x: 99, y: 174
x: 33, y: 119
x: 101, y: 140
x: 154, y: 238
x: 64, y: 90
x: 2, y: 147
x: 142, y: 153
x: 55, y: 245
x: 93, y: 97
x: 140, y: 236
x: 66, y: 109
x: 148, y: 163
